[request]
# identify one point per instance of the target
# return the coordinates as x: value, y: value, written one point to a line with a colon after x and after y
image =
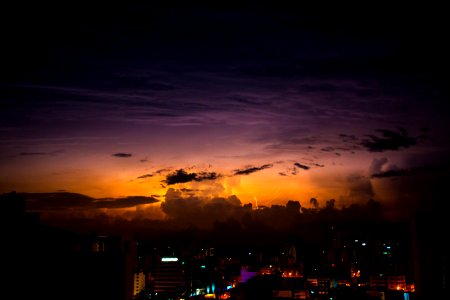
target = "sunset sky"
x: 266, y: 102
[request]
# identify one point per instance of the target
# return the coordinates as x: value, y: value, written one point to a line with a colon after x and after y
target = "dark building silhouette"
x: 431, y: 252
x: 42, y: 262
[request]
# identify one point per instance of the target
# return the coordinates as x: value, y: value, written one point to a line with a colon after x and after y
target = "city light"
x: 169, y: 259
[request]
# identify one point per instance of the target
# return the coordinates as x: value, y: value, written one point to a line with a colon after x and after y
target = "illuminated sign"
x: 168, y: 259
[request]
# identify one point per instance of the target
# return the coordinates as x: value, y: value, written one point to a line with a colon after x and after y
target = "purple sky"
x: 265, y: 102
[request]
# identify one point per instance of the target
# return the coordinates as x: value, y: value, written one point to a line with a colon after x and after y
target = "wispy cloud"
x: 122, y: 155
x: 299, y: 165
x: 145, y: 176
x: 251, y: 169
x: 52, y: 153
x: 125, y: 202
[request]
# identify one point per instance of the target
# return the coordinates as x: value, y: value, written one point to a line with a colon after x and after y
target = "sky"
x: 150, y: 104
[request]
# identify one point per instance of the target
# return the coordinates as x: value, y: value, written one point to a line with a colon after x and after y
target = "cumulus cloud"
x: 359, y: 188
x: 381, y: 168
x: 206, y: 211
x: 377, y: 165
x: 194, y: 209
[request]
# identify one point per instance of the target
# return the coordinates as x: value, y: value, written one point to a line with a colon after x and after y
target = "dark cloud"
x: 348, y: 137
x: 395, y: 172
x: 206, y: 176
x: 282, y: 174
x: 359, y: 188
x: 33, y: 153
x: 178, y: 207
x: 391, y: 173
x: 390, y: 140
x: 205, y: 212
x: 129, y: 201
x: 55, y: 201
x: 250, y: 169
x: 181, y: 176
x: 327, y: 149
x: 145, y: 176
x: 56, y: 152
x: 122, y: 155
x: 66, y: 201
x: 299, y: 165
x: 318, y: 165
x: 160, y: 171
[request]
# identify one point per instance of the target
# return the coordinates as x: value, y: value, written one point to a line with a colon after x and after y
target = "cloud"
x: 359, y: 188
x: 198, y: 210
x: 211, y: 211
x: 377, y: 165
x: 56, y: 201
x: 395, y: 172
x: 181, y: 176
x: 298, y: 165
x: 327, y: 149
x: 145, y: 176
x: 122, y: 155
x: 33, y: 153
x: 390, y: 140
x: 66, y: 201
x: 391, y: 173
x: 52, y: 153
x: 348, y: 137
x: 206, y: 176
x: 250, y: 169
x: 125, y: 202
x: 160, y: 171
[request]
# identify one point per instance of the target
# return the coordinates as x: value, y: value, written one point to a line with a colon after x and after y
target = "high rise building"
x: 169, y: 276
x: 139, y: 282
